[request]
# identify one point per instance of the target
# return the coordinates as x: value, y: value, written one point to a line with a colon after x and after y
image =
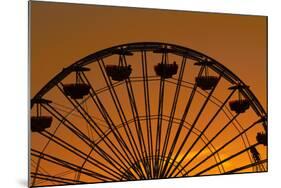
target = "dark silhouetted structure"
x: 118, y: 121
x: 240, y: 105
x: 40, y: 122
x: 166, y: 70
x: 121, y: 71
x: 118, y: 72
x: 78, y: 89
x: 262, y: 138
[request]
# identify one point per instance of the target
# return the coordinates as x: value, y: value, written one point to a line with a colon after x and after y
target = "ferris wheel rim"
x: 141, y: 47
x: 145, y: 46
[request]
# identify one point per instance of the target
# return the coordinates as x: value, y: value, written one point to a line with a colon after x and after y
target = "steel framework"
x: 121, y: 120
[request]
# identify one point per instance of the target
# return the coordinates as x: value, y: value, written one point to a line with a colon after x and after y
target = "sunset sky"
x: 64, y: 33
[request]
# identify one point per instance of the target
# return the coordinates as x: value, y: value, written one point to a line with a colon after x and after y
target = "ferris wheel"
x: 141, y: 111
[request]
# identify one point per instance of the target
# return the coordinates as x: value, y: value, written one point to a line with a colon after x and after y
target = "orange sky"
x: 64, y: 33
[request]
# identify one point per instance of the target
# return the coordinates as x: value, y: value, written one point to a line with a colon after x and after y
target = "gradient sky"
x: 64, y: 33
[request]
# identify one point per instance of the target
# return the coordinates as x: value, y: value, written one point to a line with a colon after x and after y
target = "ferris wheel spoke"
x: 203, y: 131
x: 172, y: 113
x: 192, y: 126
x: 41, y: 169
x: 107, y: 118
x: 81, y: 154
x: 101, y: 153
x: 181, y: 124
x: 244, y: 137
x: 65, y: 181
x: 55, y: 182
x: 156, y: 166
x: 118, y: 107
x: 97, y: 129
x: 71, y: 166
x: 186, y: 124
x: 135, y: 114
x: 208, y: 143
x: 136, y: 155
x: 147, y: 110
x: 59, y: 162
x: 227, y: 159
x: 93, y: 94
x: 51, y: 181
x: 71, y: 111
x: 222, y: 147
x: 135, y: 151
x: 84, y: 138
x: 137, y: 123
x: 213, y: 99
x: 87, y: 139
x: 159, y: 126
x: 254, y: 164
x: 38, y: 169
x: 68, y: 124
x: 133, y: 79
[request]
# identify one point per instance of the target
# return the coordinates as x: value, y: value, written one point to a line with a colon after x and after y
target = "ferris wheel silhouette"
x: 146, y: 110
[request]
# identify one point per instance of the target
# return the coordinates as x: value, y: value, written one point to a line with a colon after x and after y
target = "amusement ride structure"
x: 145, y: 110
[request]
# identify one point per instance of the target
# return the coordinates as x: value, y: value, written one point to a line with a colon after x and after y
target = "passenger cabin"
x: 206, y: 82
x: 166, y: 70
x: 262, y: 138
x: 76, y: 90
x: 240, y: 105
x: 40, y: 122
x: 118, y: 72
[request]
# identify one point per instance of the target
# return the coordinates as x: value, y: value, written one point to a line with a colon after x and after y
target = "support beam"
x: 137, y: 155
x: 56, y: 178
x: 83, y: 137
x: 147, y: 111
x: 202, y: 132
x: 181, y: 124
x: 82, y: 155
x: 227, y: 159
x: 246, y: 167
x: 172, y: 113
x: 226, y: 144
x: 112, y: 126
x: 138, y: 127
x: 71, y: 166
